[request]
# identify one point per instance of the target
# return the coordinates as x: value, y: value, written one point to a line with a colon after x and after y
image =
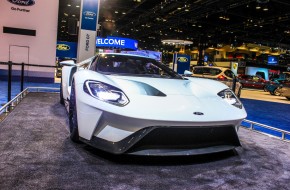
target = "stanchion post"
x: 234, y: 83
x: 9, y: 79
x: 22, y: 77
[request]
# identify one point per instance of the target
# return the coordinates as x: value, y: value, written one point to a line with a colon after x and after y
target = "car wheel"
x: 272, y: 93
x: 265, y: 89
x: 276, y: 92
x: 73, y: 120
x: 288, y: 98
x: 61, y: 100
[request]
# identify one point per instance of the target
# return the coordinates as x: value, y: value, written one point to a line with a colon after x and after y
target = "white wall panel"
x: 42, y: 17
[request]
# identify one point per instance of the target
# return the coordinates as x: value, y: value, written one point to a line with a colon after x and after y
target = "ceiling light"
x: 265, y: 8
x: 116, y: 12
x: 68, y: 5
x: 123, y: 13
x: 258, y: 7
x: 73, y: 15
x: 77, y: 6
x: 179, y: 8
x: 186, y: 10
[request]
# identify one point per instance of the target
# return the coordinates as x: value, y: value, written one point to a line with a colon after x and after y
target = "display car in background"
x: 285, y: 91
x: 273, y: 86
x: 126, y: 104
x: 252, y: 81
x: 224, y: 75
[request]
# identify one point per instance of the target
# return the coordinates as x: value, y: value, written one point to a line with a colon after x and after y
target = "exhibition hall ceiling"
x: 211, y: 22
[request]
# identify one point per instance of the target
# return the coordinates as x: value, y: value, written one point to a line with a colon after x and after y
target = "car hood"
x: 164, y: 86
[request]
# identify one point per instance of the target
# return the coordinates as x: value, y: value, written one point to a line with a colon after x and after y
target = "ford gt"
x: 129, y: 104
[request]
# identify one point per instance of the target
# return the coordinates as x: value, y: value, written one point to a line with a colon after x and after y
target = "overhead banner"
x: 88, y: 29
x: 116, y: 42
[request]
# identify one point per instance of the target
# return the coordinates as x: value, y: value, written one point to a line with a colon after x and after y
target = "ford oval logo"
x: 22, y: 2
x: 198, y: 113
x: 182, y: 59
x: 62, y: 47
x: 89, y: 13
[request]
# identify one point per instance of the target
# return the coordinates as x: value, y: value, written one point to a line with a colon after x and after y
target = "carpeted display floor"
x: 36, y: 153
x: 273, y: 114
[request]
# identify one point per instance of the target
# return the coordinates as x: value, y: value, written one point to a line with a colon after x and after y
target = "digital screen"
x: 116, y: 42
x: 272, y: 60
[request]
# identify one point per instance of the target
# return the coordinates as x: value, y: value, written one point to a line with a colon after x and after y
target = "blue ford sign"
x: 22, y: 2
x: 89, y: 15
x: 183, y: 62
x: 66, y: 49
x: 116, y: 42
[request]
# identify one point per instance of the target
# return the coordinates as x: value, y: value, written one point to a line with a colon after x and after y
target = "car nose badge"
x: 198, y: 113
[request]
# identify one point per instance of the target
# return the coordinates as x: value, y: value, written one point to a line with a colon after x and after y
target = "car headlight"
x: 230, y: 98
x: 106, y: 93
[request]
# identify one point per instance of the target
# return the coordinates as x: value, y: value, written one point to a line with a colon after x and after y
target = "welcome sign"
x: 116, y: 42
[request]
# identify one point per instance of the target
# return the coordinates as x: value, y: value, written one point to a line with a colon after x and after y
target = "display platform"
x: 36, y: 153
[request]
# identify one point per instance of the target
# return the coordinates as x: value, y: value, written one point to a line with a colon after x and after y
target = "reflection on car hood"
x: 152, y: 86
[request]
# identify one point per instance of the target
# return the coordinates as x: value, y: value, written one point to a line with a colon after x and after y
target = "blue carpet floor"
x: 268, y: 113
x: 16, y: 88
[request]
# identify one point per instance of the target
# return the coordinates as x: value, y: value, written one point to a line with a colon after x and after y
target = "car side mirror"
x: 187, y: 73
x: 67, y: 63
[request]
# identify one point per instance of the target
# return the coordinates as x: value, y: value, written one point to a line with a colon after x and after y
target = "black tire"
x: 288, y: 98
x: 265, y: 89
x: 73, y: 120
x: 61, y: 100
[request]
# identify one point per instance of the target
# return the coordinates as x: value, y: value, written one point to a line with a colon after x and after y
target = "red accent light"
x: 221, y: 77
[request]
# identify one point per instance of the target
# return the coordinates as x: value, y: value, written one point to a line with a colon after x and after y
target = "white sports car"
x: 131, y: 104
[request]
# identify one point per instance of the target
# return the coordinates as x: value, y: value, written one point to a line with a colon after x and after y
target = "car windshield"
x: 133, y: 66
x: 206, y: 71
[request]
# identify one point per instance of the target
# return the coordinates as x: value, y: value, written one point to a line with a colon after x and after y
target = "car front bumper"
x: 172, y: 141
